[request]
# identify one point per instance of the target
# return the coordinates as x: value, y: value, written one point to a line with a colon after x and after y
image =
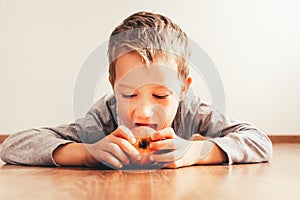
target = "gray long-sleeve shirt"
x: 241, y: 141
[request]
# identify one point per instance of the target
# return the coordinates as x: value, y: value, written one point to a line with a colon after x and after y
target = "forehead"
x: 129, y: 61
x: 132, y: 71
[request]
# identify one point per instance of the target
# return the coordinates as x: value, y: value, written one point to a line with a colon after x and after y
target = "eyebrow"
x: 161, y: 86
x: 156, y: 87
x: 165, y: 88
x: 125, y: 86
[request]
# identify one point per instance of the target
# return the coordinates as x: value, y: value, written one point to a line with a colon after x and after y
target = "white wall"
x: 254, y: 44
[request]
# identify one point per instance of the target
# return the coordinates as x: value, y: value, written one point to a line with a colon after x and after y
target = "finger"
x: 125, y: 145
x: 166, y: 133
x: 173, y: 165
x: 175, y: 143
x: 107, y: 158
x: 164, y: 144
x: 116, y: 151
x: 166, y: 157
x: 124, y: 132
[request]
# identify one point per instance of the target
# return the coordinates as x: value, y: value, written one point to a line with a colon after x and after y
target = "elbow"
x: 264, y: 150
x: 268, y: 154
x: 3, y: 153
x: 8, y: 152
x: 258, y: 150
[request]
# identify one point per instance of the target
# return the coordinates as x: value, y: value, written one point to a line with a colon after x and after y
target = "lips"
x: 152, y: 125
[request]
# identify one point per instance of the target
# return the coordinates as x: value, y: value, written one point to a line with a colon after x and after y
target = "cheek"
x: 173, y: 110
x: 170, y: 110
x: 123, y: 108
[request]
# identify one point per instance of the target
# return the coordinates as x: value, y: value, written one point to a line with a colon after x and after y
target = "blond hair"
x: 151, y: 36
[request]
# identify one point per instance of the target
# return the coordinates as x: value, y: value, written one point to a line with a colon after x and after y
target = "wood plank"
x: 3, y: 137
x: 285, y: 138
x: 244, y: 181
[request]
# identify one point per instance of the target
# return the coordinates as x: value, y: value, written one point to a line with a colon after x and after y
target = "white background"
x: 255, y: 46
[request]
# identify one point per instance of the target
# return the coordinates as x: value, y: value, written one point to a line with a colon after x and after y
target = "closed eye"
x: 128, y: 96
x: 160, y: 96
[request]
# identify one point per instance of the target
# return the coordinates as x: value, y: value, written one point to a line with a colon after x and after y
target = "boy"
x: 149, y: 75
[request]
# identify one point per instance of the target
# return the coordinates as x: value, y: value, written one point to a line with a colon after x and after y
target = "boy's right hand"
x: 113, y: 150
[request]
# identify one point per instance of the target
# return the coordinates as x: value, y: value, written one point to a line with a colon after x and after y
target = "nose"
x: 144, y: 109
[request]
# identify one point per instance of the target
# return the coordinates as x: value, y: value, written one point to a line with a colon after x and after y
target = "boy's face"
x: 147, y: 96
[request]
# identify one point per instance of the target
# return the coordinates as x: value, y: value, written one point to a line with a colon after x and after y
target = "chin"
x: 143, y: 140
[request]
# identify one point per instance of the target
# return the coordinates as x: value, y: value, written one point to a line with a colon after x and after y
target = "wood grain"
x: 285, y: 138
x: 279, y: 179
x: 3, y: 137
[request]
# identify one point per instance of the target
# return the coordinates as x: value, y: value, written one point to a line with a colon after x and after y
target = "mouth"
x: 153, y: 126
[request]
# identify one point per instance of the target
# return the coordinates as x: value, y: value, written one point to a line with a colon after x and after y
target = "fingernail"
x: 139, y: 157
x: 151, y: 158
x: 133, y: 140
x: 119, y: 165
x: 151, y: 146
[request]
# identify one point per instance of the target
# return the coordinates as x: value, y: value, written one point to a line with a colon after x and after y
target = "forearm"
x: 209, y: 153
x: 31, y: 147
x: 72, y: 154
x: 249, y: 146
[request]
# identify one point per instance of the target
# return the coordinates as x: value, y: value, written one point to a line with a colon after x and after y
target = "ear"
x: 185, y: 88
x: 187, y: 84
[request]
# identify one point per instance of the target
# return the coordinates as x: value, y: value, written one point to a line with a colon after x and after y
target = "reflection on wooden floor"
x: 279, y: 179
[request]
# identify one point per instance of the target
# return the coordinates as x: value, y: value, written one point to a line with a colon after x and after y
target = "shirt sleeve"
x: 36, y: 146
x: 241, y: 141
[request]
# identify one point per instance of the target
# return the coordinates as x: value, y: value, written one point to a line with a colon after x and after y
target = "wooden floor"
x: 279, y: 179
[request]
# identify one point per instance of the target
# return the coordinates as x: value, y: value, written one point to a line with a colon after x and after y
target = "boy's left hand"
x: 178, y: 151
